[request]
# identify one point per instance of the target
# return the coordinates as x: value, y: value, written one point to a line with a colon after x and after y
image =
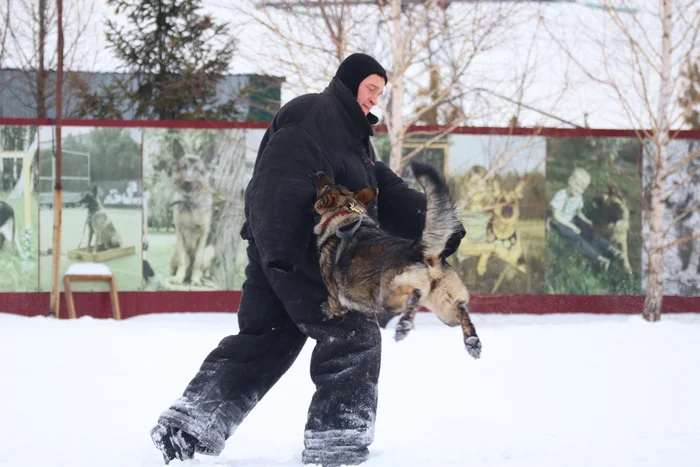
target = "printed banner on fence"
x: 102, y: 198
x: 194, y: 182
x: 593, y: 193
x: 19, y: 210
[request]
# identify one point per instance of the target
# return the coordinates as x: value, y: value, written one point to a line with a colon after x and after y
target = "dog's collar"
x: 352, y: 208
x: 327, y: 221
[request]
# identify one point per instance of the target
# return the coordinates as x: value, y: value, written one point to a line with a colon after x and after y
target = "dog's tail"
x: 440, y: 218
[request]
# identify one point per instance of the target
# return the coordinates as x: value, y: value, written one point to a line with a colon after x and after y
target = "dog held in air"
x: 366, y: 269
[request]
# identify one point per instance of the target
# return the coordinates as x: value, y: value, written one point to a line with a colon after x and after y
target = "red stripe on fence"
x: 97, y: 304
x: 426, y: 129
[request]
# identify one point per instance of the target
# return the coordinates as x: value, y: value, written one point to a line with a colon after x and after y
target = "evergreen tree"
x: 175, y: 55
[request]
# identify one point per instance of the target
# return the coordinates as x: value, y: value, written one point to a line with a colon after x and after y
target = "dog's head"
x: 615, y: 204
x: 335, y: 201
x: 190, y: 172
x: 610, y: 207
x: 89, y: 199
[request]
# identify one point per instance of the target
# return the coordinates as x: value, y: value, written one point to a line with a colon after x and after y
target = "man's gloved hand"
x: 453, y: 242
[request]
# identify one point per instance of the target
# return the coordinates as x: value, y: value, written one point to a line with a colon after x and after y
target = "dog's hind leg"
x: 405, y: 323
x: 471, y: 340
x: 90, y: 234
x: 198, y: 260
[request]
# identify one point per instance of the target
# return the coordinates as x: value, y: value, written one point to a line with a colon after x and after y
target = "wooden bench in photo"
x: 90, y: 272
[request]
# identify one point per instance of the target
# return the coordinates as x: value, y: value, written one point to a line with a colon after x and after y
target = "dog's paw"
x: 473, y: 345
x: 326, y: 309
x: 196, y: 278
x: 331, y: 312
x: 177, y: 279
x: 403, y: 327
x: 401, y: 332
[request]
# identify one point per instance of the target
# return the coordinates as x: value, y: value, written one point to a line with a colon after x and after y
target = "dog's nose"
x: 187, y: 186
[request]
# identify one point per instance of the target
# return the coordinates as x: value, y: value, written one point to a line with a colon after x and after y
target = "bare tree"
x: 440, y: 41
x: 431, y: 49
x: 303, y: 42
x: 641, y: 57
x: 5, y: 16
x: 31, y: 38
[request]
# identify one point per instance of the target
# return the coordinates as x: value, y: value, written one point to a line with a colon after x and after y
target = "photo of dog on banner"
x: 504, y: 246
x: 192, y: 209
x: 102, y: 198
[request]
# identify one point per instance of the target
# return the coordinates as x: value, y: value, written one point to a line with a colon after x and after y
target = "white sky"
x: 574, y: 23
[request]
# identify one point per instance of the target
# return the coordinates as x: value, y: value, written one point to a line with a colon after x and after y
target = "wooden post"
x: 58, y: 188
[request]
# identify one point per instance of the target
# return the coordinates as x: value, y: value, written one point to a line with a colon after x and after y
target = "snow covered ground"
x: 549, y: 391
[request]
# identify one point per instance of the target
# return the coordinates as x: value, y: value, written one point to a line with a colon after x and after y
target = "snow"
x: 555, y: 390
x: 87, y: 269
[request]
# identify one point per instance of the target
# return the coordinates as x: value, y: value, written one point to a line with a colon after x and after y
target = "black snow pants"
x: 278, y: 311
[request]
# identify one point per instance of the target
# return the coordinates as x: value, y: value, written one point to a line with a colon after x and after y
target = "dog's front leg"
x: 198, y: 257
x: 179, y: 260
x: 90, y: 233
x: 625, y: 255
x: 332, y: 307
x: 471, y: 340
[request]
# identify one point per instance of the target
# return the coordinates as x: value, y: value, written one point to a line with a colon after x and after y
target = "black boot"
x: 173, y: 443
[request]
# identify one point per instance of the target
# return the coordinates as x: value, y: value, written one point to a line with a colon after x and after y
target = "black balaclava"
x: 355, y: 68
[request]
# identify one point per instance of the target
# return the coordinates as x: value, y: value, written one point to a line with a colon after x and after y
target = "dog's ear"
x: 178, y: 150
x: 94, y: 190
x: 365, y: 195
x: 321, y: 180
x: 209, y: 153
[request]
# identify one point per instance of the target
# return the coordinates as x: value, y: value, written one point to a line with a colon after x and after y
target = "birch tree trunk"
x: 228, y: 185
x: 396, y: 133
x: 655, y: 272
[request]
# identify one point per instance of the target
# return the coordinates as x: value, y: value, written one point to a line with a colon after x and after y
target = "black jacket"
x: 319, y: 132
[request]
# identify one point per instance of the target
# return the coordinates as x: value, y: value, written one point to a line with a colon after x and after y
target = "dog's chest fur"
x: 192, y: 217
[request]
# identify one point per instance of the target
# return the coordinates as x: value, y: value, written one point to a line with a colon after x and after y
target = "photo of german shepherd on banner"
x: 366, y: 270
x: 193, y: 181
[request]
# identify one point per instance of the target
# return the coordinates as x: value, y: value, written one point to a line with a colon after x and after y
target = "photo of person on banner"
x: 593, y: 193
x: 569, y: 221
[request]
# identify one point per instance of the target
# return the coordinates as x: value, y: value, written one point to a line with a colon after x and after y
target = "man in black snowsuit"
x: 283, y: 291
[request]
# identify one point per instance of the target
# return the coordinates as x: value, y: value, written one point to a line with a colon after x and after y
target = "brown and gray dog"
x: 192, y: 205
x: 106, y: 235
x: 365, y: 269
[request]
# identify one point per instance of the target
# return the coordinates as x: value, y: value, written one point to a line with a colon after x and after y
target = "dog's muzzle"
x: 187, y: 186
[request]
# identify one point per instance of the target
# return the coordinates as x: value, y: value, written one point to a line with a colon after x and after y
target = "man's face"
x: 369, y: 91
